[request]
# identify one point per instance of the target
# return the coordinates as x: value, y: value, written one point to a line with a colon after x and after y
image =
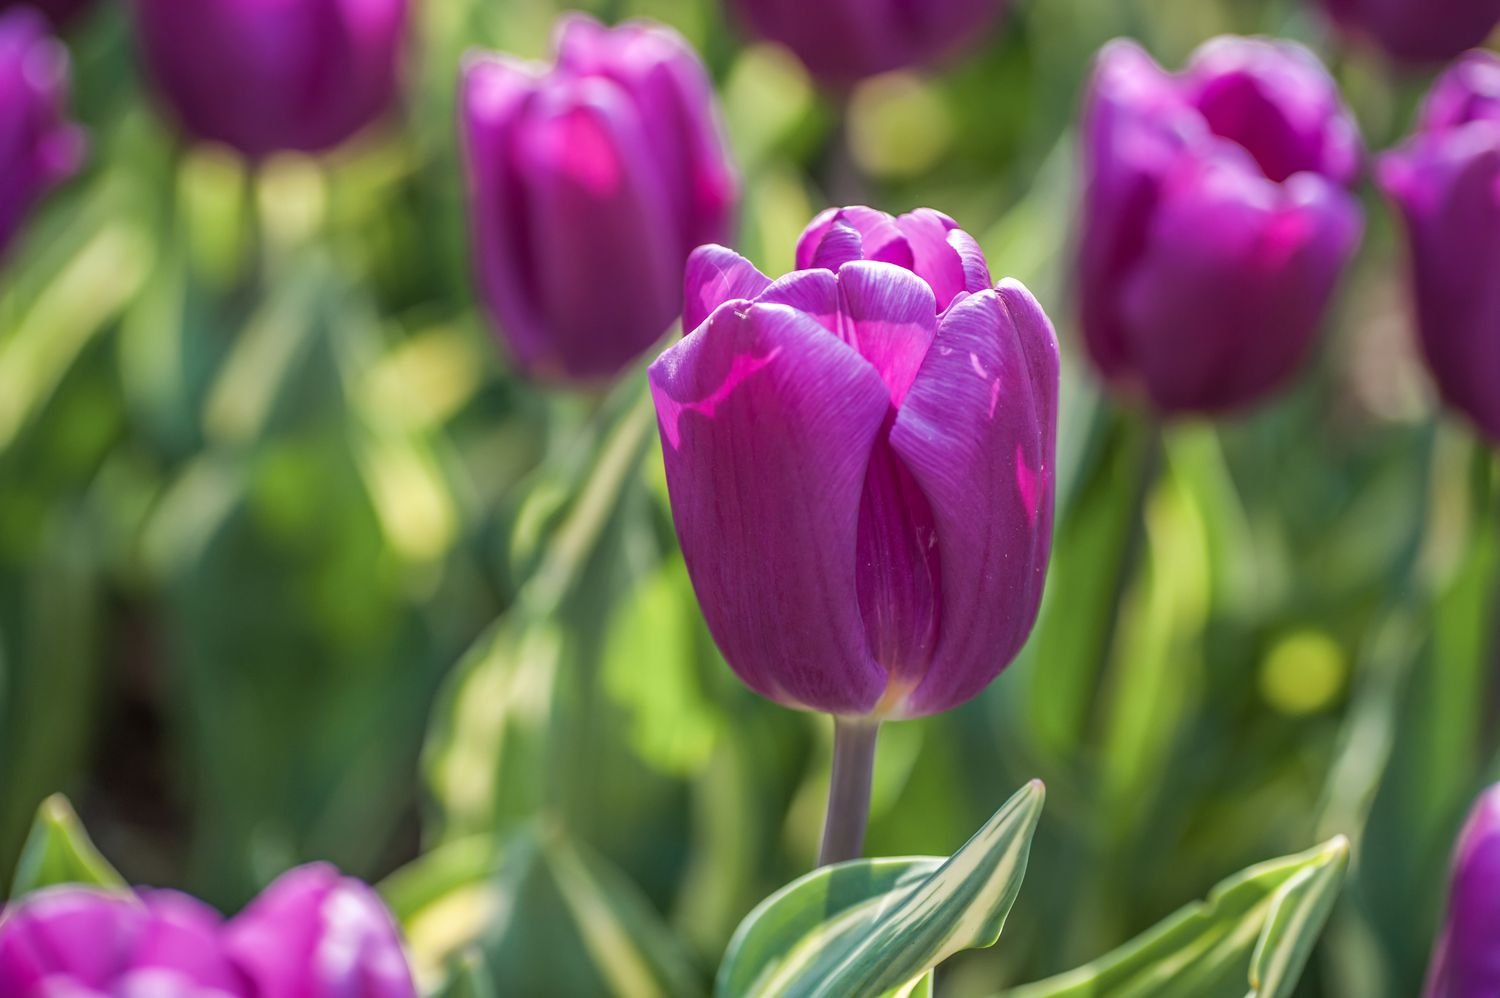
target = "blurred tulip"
x: 860, y: 462
x: 77, y: 941
x: 844, y: 41
x: 1216, y: 219
x: 266, y: 76
x: 38, y: 146
x: 315, y: 934
x: 1417, y: 31
x: 589, y: 183
x: 1446, y: 180
x: 1466, y: 963
x: 58, y: 11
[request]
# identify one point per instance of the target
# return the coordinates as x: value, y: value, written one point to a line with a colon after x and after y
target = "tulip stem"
x: 849, y: 789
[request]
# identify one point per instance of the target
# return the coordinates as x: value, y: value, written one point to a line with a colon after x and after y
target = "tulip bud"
x: 81, y: 941
x: 1216, y: 219
x: 589, y: 183
x: 860, y: 460
x: 59, y: 12
x: 38, y: 146
x: 1466, y: 963
x: 266, y: 76
x: 1446, y: 181
x: 1417, y: 31
x: 314, y: 934
x: 844, y: 41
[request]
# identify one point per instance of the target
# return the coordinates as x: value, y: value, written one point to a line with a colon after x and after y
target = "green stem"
x: 849, y: 789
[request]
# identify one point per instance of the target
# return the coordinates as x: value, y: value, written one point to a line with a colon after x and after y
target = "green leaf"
x: 880, y: 925
x: 59, y: 851
x: 544, y: 916
x: 1250, y: 939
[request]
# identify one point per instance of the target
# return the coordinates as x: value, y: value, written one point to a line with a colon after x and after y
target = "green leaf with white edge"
x: 880, y: 926
x: 1250, y: 939
x: 59, y: 851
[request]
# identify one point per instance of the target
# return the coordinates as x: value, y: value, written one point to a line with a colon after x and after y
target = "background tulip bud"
x: 844, y: 41
x: 589, y: 184
x: 1216, y: 219
x: 1446, y: 180
x: 81, y: 941
x: 1417, y: 30
x: 860, y: 463
x: 315, y: 934
x: 268, y: 76
x: 58, y: 11
x: 1466, y: 963
x: 38, y: 146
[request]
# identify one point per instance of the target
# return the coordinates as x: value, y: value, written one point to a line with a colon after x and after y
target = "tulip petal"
x: 714, y: 276
x: 977, y: 431
x: 944, y: 255
x: 767, y: 425
x: 889, y: 315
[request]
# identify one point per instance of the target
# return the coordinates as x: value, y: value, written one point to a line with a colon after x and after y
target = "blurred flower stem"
x: 849, y: 789
x: 844, y: 183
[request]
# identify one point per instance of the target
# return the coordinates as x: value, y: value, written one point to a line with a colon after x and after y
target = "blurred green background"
x: 292, y: 566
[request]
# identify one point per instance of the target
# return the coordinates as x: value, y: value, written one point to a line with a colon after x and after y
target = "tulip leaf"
x: 880, y: 926
x: 1250, y: 939
x: 59, y: 851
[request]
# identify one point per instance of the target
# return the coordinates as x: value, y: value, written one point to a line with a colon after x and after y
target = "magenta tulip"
x: 315, y: 934
x: 1216, y: 219
x: 78, y: 941
x: 844, y: 41
x: 267, y: 76
x: 1466, y: 963
x: 589, y: 184
x: 1446, y: 181
x: 1417, y: 31
x: 39, y: 147
x: 59, y: 12
x: 860, y: 462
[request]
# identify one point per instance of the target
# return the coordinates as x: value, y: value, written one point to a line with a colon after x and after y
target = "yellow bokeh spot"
x: 1303, y: 673
x: 899, y: 127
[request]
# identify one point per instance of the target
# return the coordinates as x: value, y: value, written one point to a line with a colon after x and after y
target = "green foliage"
x: 1250, y: 939
x: 882, y: 925
x: 58, y: 851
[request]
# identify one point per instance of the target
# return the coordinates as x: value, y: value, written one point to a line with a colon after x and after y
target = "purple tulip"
x: 1216, y: 219
x: 844, y: 41
x: 268, y: 76
x: 38, y: 145
x: 59, y: 12
x: 1466, y: 963
x: 589, y: 183
x: 860, y: 462
x: 315, y: 934
x: 1446, y: 180
x: 82, y: 942
x: 1417, y: 31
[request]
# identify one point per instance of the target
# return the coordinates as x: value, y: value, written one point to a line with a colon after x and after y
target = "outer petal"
x: 1471, y: 949
x: 597, y: 213
x: 1448, y: 188
x: 1234, y: 283
x: 767, y: 424
x: 944, y: 255
x: 1468, y: 91
x: 978, y: 432
x: 314, y: 934
x: 715, y: 275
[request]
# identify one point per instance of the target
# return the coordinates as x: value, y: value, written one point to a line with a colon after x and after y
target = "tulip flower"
x: 1446, y: 181
x: 86, y: 942
x: 1466, y: 963
x: 589, y: 183
x: 860, y: 462
x: 38, y: 145
x: 1417, y: 31
x: 845, y: 41
x: 1216, y: 219
x: 267, y: 76
x: 315, y: 934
